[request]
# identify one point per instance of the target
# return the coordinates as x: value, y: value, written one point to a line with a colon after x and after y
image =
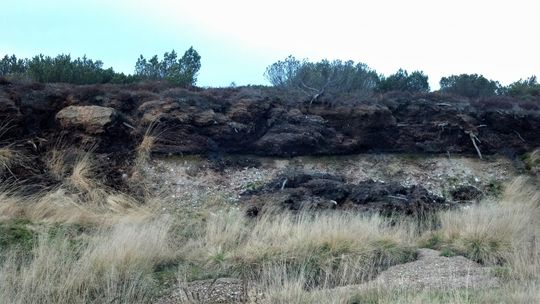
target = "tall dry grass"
x: 497, y: 232
x: 10, y: 158
x: 114, y: 265
x: 80, y: 197
x: 290, y: 258
x: 330, y: 249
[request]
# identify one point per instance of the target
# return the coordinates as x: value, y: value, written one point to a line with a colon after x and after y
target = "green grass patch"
x: 16, y: 233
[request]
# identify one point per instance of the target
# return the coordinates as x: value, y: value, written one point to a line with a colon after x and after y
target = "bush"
x: 323, y: 77
x: 62, y: 68
x: 182, y: 72
x: 470, y: 85
x: 416, y: 82
x: 528, y: 88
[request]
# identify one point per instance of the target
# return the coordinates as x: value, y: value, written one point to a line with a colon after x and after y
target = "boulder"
x: 90, y: 119
x: 466, y: 193
x: 315, y: 190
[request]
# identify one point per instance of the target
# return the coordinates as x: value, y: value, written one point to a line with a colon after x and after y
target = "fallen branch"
x: 474, y: 139
x: 519, y: 136
x: 397, y: 197
x: 283, y: 184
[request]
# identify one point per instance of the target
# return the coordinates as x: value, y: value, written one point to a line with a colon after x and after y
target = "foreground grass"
x: 112, y: 265
x: 510, y: 293
x: 329, y: 249
x: 290, y: 258
x: 118, y: 249
x: 503, y: 232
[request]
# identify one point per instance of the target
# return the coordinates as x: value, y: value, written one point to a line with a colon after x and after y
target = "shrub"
x: 63, y: 68
x: 324, y: 77
x: 528, y: 88
x: 470, y: 85
x: 402, y: 81
x: 182, y: 72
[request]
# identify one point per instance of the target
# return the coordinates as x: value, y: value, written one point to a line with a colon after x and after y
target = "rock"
x: 466, y: 193
x: 315, y: 190
x: 263, y: 121
x: 91, y: 119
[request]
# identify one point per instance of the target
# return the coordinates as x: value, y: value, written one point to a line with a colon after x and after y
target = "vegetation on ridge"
x: 62, y: 68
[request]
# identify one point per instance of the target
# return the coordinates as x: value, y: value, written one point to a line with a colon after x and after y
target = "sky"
x: 238, y: 39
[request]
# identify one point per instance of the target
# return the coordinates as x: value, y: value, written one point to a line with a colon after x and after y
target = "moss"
x: 166, y: 273
x: 448, y: 252
x: 16, y: 233
x: 482, y: 251
x: 256, y: 185
x: 191, y: 271
x: 433, y: 241
x: 502, y: 272
x: 495, y: 188
x: 390, y: 253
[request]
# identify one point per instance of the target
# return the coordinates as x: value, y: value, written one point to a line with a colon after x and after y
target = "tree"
x: 528, y: 88
x: 470, y: 85
x: 11, y: 66
x: 324, y: 77
x: 190, y: 64
x: 182, y: 72
x: 284, y: 73
x: 402, y: 81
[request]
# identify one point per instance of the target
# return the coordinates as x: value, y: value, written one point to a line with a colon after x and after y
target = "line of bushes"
x: 62, y: 68
x: 330, y: 77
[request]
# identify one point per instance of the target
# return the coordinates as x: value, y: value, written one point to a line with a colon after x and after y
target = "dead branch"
x: 284, y: 183
x: 519, y: 136
x: 444, y: 104
x: 474, y: 139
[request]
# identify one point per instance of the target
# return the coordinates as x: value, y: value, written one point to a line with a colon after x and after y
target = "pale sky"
x: 238, y: 39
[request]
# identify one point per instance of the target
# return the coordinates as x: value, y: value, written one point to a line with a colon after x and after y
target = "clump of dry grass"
x: 82, y: 177
x: 81, y: 196
x: 56, y: 164
x: 113, y: 265
x: 137, y: 179
x: 61, y: 206
x: 331, y: 248
x: 496, y: 232
x: 144, y: 150
x: 9, y: 158
x: 532, y: 161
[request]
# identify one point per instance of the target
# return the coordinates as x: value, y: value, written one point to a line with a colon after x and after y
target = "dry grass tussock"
x: 501, y: 232
x: 330, y: 249
x: 114, y: 265
x: 111, y: 260
x: 9, y: 158
x: 80, y: 197
x: 144, y: 150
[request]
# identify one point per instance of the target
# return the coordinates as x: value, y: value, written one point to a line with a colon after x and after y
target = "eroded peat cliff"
x: 113, y: 119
